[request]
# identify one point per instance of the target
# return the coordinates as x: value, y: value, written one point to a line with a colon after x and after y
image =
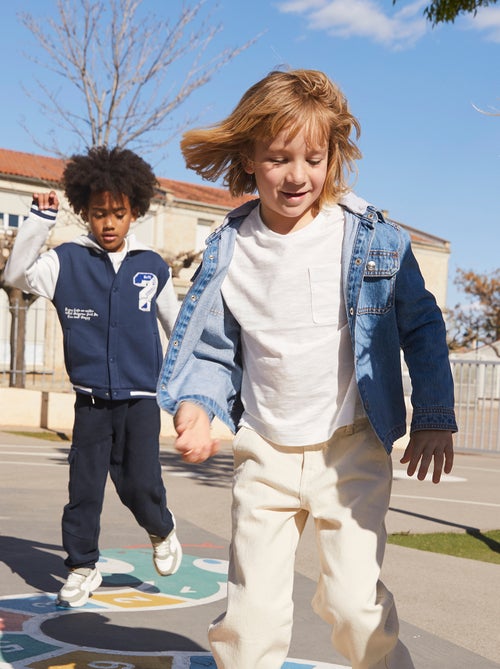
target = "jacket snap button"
x: 358, y: 261
x: 370, y: 266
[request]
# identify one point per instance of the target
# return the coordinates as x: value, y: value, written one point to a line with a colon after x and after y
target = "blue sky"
x: 429, y: 156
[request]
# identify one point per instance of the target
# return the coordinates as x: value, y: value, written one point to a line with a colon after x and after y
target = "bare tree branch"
x: 129, y: 72
x: 115, y: 78
x: 486, y: 113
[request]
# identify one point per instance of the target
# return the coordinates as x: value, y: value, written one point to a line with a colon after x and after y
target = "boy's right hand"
x: 46, y: 200
x: 194, y: 441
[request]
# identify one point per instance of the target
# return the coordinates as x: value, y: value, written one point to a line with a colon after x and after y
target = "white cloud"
x: 395, y: 28
x: 487, y: 20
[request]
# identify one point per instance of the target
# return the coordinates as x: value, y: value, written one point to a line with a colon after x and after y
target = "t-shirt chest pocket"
x: 379, y: 282
x: 324, y: 284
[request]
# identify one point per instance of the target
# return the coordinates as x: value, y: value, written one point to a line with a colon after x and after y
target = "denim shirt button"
x: 193, y: 298
x: 358, y: 261
x: 371, y: 266
x: 175, y: 343
x: 351, y: 311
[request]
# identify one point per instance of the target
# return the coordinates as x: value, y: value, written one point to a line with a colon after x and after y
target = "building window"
x: 10, y: 221
x: 14, y: 220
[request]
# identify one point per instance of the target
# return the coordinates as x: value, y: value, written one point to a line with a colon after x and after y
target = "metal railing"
x: 477, y: 382
x: 43, y: 351
x: 477, y: 404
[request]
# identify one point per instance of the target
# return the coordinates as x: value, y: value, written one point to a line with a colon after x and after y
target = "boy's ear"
x: 248, y: 165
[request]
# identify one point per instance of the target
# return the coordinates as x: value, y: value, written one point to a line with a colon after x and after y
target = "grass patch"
x: 48, y: 436
x: 475, y: 545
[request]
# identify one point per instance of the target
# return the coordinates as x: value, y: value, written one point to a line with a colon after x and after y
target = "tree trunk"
x: 19, y: 304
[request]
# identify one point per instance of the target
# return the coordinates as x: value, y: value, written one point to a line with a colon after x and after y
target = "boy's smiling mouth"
x: 293, y: 196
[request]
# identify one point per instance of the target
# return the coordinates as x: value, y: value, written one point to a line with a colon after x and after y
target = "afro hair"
x: 119, y: 171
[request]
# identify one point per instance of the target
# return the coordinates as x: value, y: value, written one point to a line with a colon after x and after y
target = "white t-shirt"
x: 285, y: 292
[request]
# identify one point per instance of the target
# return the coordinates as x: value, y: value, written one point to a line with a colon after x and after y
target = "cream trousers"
x: 345, y: 486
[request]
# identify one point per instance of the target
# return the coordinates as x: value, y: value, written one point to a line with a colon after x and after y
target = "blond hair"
x: 289, y: 101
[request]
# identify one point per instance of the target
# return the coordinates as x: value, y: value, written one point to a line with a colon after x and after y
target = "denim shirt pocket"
x: 379, y: 282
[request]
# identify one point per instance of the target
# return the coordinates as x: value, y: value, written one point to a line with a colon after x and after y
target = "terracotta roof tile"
x: 200, y: 193
x: 15, y: 163
x: 31, y: 166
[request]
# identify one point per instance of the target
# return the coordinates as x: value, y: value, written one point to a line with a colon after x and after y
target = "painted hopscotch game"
x: 128, y: 586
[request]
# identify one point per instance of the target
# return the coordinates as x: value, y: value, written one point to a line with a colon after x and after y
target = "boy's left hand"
x: 46, y: 200
x: 194, y: 440
x: 426, y: 445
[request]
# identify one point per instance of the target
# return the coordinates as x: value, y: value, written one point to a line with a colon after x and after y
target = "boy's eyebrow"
x: 284, y: 150
x: 99, y: 208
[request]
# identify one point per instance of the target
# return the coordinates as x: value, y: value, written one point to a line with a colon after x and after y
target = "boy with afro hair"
x: 109, y: 291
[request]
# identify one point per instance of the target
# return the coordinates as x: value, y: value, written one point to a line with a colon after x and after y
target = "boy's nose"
x: 296, y: 173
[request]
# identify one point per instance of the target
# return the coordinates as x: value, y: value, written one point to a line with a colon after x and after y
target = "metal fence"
x: 43, y: 352
x: 477, y: 404
x: 477, y: 382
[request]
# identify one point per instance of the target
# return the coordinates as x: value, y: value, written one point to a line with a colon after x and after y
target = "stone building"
x: 181, y: 217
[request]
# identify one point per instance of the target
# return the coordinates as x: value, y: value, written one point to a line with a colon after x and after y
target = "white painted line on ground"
x: 36, y: 446
x: 444, y: 499
x: 187, y: 475
x: 27, y: 463
x: 51, y: 454
x: 477, y: 469
x: 400, y: 474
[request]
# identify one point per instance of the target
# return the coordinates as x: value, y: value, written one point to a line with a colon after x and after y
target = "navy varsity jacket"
x: 112, y: 346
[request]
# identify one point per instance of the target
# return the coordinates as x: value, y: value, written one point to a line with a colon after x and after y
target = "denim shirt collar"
x: 349, y: 201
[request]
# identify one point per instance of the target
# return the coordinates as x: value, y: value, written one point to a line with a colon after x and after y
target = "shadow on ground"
x: 34, y: 562
x: 216, y: 471
x: 472, y: 531
x: 95, y: 630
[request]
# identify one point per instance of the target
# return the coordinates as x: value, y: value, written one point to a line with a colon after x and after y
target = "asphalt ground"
x: 449, y: 607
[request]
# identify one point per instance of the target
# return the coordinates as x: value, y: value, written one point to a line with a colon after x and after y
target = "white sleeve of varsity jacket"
x: 167, y: 306
x: 26, y: 269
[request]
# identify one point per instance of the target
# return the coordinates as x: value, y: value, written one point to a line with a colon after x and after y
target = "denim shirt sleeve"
x: 389, y: 310
x: 202, y: 364
x: 422, y: 337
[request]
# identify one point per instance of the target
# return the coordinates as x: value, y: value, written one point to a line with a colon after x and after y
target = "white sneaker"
x: 79, y: 586
x: 167, y: 553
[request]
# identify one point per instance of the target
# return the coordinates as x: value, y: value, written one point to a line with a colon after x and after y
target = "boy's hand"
x: 425, y: 445
x: 192, y: 425
x: 46, y: 200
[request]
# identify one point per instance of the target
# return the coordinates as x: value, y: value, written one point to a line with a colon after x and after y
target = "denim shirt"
x: 388, y: 309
